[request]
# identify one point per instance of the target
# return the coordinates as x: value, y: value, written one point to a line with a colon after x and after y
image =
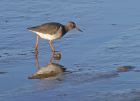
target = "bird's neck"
x: 66, y: 28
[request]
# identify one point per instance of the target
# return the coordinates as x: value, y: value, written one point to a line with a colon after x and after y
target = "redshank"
x: 52, y: 31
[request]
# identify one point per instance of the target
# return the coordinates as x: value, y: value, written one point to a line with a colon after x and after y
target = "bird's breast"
x: 49, y: 36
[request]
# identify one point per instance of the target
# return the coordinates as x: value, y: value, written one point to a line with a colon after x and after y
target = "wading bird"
x: 52, y: 31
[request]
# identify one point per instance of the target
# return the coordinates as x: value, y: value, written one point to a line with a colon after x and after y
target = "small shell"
x: 57, y: 56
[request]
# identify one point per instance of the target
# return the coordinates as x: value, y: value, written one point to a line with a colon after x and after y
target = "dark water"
x: 110, y: 39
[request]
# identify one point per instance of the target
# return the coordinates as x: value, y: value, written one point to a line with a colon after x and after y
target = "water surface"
x: 110, y: 39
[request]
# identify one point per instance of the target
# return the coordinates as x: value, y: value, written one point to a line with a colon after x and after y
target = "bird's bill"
x: 79, y: 29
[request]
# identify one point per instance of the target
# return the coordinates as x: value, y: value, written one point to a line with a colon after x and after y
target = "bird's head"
x: 71, y: 25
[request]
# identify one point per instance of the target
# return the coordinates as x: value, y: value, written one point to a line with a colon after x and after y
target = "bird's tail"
x: 31, y: 29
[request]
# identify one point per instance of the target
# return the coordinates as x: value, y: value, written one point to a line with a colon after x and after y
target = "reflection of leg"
x: 51, y: 58
x: 36, y: 44
x: 51, y: 45
x: 36, y: 61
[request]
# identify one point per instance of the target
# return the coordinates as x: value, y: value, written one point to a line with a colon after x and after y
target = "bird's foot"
x: 53, y: 53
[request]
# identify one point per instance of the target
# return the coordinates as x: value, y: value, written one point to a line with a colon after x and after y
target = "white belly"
x: 48, y: 36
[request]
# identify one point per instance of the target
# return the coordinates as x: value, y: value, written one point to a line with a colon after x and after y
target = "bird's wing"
x: 59, y: 30
x: 48, y: 28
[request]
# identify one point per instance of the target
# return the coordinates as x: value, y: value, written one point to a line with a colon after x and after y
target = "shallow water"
x: 110, y: 39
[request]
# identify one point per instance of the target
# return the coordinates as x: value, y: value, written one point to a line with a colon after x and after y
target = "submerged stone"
x: 125, y: 68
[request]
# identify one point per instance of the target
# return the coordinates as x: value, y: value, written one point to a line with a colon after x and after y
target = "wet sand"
x: 110, y: 38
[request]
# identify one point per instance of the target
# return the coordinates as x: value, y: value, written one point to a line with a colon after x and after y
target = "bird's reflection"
x: 50, y: 70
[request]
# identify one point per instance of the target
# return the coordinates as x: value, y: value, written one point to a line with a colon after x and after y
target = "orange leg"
x: 36, y: 44
x: 51, y: 45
